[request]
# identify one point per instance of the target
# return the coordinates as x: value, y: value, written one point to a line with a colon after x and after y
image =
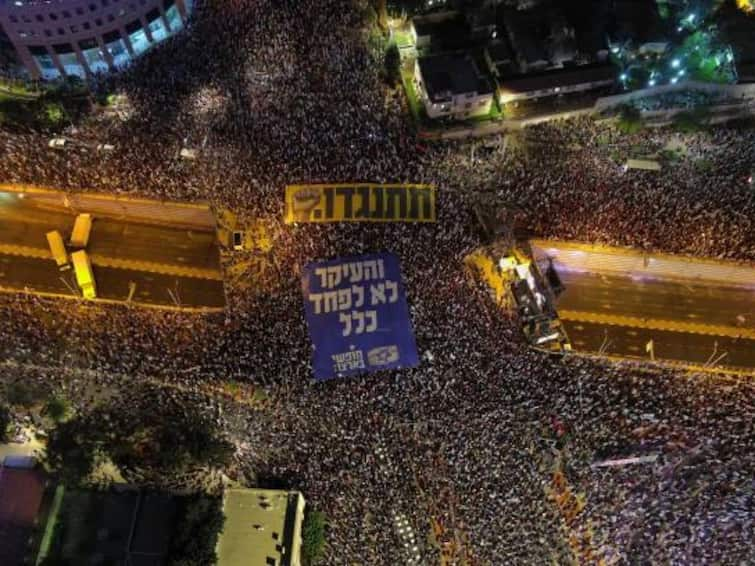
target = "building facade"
x: 55, y: 38
x: 452, y: 86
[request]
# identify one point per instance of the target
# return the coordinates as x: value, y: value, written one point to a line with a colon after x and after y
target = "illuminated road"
x: 695, y: 348
x: 24, y: 223
x: 154, y: 257
x: 42, y: 275
x: 687, y: 321
x: 662, y: 299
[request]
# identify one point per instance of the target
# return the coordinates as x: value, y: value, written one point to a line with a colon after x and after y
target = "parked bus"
x: 58, y: 249
x: 81, y: 230
x: 84, y: 276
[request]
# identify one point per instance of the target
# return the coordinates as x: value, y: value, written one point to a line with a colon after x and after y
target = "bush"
x: 58, y: 408
x: 52, y: 114
x: 313, y: 536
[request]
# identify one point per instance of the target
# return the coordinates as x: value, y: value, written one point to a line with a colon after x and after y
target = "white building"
x: 452, y: 85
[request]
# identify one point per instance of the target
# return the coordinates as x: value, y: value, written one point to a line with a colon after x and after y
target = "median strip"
x: 657, y: 324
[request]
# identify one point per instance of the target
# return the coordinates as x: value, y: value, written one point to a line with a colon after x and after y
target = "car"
x: 58, y: 143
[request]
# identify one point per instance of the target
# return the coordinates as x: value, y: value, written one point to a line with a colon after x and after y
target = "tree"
x: 72, y: 452
x: 200, y: 522
x: 392, y: 65
x: 22, y: 393
x: 58, y: 408
x: 313, y: 536
x: 5, y: 421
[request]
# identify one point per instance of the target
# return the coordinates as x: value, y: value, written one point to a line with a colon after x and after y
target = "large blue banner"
x: 357, y: 316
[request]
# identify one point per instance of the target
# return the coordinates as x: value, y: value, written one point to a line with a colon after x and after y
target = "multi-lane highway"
x: 143, y: 261
x: 697, y: 321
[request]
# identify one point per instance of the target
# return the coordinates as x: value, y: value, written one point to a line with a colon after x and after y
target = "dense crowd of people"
x: 466, y: 444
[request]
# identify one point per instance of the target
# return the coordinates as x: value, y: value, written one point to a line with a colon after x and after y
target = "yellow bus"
x: 58, y: 249
x: 84, y: 276
x: 81, y: 230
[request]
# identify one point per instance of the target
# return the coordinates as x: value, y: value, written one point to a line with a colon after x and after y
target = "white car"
x: 58, y: 143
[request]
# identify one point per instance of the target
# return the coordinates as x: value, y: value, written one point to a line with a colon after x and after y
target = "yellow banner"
x: 361, y: 202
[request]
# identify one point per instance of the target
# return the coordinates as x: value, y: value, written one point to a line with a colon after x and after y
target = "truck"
x: 84, y: 276
x: 82, y: 227
x: 58, y: 250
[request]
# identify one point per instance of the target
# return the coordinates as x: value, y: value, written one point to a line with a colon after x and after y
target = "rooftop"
x: 262, y: 526
x: 564, y: 77
x: 451, y: 74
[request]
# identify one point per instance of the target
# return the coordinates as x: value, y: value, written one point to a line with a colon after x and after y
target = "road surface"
x: 693, y: 321
x: 152, y: 256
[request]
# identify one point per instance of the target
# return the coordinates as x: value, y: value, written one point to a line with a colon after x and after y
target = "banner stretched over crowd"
x: 360, y: 203
x: 357, y: 316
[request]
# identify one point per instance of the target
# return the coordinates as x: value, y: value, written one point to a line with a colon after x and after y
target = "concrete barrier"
x: 192, y: 216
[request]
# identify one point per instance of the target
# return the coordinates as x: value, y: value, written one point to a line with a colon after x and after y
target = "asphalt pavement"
x: 693, y: 321
x: 169, y: 266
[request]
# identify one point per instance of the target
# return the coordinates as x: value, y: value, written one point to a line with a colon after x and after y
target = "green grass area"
x: 403, y: 38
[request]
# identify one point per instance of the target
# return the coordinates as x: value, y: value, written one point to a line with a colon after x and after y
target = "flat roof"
x: 563, y: 77
x: 452, y: 73
x: 260, y: 527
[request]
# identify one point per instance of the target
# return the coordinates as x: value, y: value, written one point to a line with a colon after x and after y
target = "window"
x: 139, y: 41
x: 118, y: 52
x: 71, y: 64
x: 93, y: 56
x: 40, y: 18
x: 174, y: 19
x: 53, y: 16
x: 44, y: 62
x: 156, y: 27
x: 66, y: 14
x: 86, y: 25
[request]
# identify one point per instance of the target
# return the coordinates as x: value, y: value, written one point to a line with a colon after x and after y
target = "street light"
x: 675, y: 63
